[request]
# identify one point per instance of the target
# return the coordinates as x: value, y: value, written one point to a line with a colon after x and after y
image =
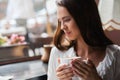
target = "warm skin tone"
x: 83, y: 70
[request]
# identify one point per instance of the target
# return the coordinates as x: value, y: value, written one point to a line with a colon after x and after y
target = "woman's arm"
x: 117, y: 65
x: 52, y: 65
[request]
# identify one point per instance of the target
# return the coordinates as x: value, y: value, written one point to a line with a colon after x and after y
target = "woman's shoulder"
x: 113, y: 51
x: 55, y: 49
x: 113, y: 48
x: 110, y: 60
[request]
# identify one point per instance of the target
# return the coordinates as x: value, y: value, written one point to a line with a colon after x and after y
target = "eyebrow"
x: 64, y: 18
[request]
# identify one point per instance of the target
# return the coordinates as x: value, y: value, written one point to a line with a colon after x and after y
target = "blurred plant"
x: 3, y: 40
x: 15, y: 38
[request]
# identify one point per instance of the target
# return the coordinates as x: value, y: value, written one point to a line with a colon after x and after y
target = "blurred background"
x: 27, y: 22
x: 36, y: 16
x: 26, y: 35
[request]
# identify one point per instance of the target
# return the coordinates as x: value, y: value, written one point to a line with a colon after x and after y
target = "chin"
x: 71, y: 38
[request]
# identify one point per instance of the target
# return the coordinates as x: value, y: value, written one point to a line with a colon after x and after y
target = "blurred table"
x: 24, y: 70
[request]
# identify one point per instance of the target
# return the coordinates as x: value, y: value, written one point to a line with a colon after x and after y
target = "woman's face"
x: 68, y: 24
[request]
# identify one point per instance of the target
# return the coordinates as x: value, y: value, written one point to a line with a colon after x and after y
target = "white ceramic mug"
x: 67, y: 61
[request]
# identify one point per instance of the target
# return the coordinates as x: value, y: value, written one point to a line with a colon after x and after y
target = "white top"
x: 108, y: 69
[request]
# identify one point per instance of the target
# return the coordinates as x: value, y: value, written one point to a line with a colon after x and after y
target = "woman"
x: 79, y: 24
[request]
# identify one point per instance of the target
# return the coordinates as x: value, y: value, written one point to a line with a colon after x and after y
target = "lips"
x: 67, y: 33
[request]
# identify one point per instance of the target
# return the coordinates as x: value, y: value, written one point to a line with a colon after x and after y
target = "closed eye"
x: 66, y: 20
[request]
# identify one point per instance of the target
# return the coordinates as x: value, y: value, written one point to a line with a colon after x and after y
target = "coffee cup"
x: 67, y: 60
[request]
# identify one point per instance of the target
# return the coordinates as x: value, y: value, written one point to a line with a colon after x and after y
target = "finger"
x: 61, y: 67
x: 92, y: 66
x: 66, y: 76
x: 79, y: 68
x: 82, y: 65
x: 81, y: 72
x: 78, y: 73
x: 60, y: 73
x: 65, y: 71
x: 90, y: 63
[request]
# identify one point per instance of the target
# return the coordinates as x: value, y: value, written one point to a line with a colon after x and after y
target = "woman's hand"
x: 64, y: 72
x: 86, y: 71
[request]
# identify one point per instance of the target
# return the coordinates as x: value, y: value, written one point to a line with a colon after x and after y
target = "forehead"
x: 62, y: 12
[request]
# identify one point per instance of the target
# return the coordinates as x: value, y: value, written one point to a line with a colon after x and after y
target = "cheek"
x: 76, y: 32
x: 74, y: 35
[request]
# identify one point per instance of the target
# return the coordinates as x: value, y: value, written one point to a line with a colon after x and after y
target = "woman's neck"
x: 85, y: 51
x: 82, y: 49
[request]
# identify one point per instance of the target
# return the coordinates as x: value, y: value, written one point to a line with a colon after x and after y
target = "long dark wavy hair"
x: 85, y: 13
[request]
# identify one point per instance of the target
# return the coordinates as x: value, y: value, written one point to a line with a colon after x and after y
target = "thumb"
x: 90, y: 62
